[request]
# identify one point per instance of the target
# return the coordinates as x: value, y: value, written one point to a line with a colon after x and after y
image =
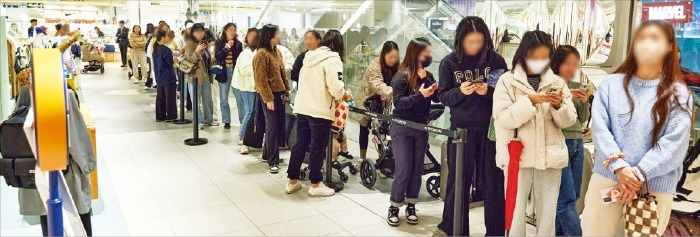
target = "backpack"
x: 17, y: 163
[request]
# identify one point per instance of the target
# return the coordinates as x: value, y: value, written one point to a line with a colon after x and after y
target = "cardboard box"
x: 111, y: 57
x: 90, y: 123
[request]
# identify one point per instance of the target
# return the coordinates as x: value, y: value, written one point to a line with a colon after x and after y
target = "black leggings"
x: 364, y: 136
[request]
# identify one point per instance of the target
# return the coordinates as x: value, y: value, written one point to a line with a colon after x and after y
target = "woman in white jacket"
x: 534, y: 104
x: 320, y: 84
x: 244, y: 81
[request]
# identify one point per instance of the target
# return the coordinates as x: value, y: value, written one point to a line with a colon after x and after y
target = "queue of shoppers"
x: 640, y: 139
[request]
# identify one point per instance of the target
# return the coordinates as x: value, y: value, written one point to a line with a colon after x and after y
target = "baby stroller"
x: 385, y: 163
x: 93, y: 56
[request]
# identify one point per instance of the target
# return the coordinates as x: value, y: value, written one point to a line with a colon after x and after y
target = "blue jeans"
x: 248, y: 103
x: 224, y: 88
x: 206, y: 115
x: 409, y: 146
x: 568, y: 222
x: 240, y: 104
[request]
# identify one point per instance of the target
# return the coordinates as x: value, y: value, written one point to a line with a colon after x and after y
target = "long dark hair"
x: 267, y: 33
x: 560, y: 54
x: 388, y: 72
x: 314, y: 33
x: 666, y: 92
x: 223, y: 36
x: 252, y: 45
x: 196, y: 27
x: 470, y: 25
x: 159, y: 35
x: 410, y: 60
x: 333, y: 39
x: 531, y: 40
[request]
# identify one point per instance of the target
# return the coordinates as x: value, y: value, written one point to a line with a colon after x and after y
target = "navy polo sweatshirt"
x: 472, y: 112
x: 163, y: 66
x: 408, y: 104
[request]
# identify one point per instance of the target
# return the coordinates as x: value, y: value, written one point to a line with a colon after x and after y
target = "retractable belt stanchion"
x: 337, y: 186
x: 183, y: 94
x: 459, y: 137
x: 195, y: 140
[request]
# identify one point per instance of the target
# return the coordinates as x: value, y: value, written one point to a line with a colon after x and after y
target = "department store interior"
x: 147, y: 181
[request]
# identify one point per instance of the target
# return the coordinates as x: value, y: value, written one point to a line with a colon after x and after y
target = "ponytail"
x: 159, y: 35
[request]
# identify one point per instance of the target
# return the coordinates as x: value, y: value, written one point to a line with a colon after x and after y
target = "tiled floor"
x: 151, y: 183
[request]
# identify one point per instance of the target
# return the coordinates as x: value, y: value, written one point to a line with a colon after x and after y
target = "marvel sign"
x: 673, y: 12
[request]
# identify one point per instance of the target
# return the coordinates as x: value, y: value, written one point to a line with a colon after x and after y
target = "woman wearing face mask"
x: 312, y: 40
x: 642, y: 137
x: 320, y: 84
x: 565, y: 63
x: 271, y: 83
x: 196, y: 52
x: 467, y: 80
x: 377, y: 81
x: 243, y: 81
x: 228, y: 48
x: 533, y: 104
x: 413, y: 88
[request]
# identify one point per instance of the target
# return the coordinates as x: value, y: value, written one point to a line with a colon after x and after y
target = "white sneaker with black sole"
x: 411, y: 217
x: 274, y: 169
x: 321, y: 191
x: 393, y: 218
x: 292, y: 188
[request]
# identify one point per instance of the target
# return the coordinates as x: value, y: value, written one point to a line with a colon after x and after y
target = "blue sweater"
x: 163, y: 66
x: 618, y: 129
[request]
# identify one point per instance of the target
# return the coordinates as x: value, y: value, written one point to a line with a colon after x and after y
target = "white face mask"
x: 648, y: 51
x: 537, y: 66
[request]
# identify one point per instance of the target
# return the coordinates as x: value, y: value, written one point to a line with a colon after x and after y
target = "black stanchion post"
x: 183, y: 94
x: 195, y: 140
x: 337, y: 186
x: 459, y: 140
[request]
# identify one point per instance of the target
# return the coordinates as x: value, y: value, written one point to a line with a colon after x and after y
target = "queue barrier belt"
x: 406, y: 123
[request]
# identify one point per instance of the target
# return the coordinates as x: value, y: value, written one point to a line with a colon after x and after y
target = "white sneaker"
x: 244, y: 150
x: 321, y: 191
x: 240, y: 142
x: 274, y: 169
x: 292, y: 188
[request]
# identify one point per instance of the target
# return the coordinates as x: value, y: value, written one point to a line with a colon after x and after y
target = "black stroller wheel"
x: 102, y: 70
x: 352, y: 169
x: 432, y: 185
x: 83, y: 71
x: 368, y: 173
x: 344, y: 177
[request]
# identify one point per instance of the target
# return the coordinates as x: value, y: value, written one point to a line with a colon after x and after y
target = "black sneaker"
x: 274, y: 169
x: 227, y: 126
x: 346, y: 155
x: 411, y: 216
x: 393, y: 218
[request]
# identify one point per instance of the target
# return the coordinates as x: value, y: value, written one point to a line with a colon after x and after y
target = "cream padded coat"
x: 539, y: 126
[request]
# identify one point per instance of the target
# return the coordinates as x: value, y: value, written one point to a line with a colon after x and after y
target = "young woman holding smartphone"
x: 413, y: 89
x: 533, y: 104
x: 565, y: 64
x: 467, y: 80
x: 642, y: 136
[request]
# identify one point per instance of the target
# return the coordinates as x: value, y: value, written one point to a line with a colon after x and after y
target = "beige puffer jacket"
x: 373, y: 84
x: 539, y: 126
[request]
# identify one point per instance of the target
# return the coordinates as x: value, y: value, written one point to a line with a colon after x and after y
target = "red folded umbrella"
x: 515, y: 149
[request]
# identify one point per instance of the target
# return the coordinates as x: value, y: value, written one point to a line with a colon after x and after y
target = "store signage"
x: 673, y: 12
x: 436, y: 24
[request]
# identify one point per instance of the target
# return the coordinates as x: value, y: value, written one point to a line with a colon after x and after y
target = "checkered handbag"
x: 641, y: 218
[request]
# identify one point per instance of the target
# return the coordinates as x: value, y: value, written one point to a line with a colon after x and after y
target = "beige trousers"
x: 600, y: 219
x: 544, y: 185
x: 138, y: 59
